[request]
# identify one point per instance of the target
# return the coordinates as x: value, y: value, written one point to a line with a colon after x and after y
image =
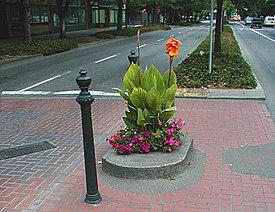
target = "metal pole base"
x: 93, y: 198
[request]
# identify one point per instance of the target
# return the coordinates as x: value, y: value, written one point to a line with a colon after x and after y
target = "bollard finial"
x: 83, y: 82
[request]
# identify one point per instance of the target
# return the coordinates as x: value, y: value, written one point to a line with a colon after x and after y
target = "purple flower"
x: 145, y: 148
x: 147, y: 133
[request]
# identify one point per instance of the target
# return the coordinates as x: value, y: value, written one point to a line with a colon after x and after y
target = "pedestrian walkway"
x: 54, y: 180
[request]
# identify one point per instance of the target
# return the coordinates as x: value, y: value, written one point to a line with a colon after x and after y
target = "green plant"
x: 149, y: 99
x: 164, y: 137
x: 230, y: 70
x: 44, y: 47
x: 104, y: 36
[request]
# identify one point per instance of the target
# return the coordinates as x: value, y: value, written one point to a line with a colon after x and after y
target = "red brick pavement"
x: 54, y: 180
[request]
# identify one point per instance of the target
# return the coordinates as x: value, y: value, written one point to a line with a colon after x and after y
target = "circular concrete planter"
x: 153, y: 165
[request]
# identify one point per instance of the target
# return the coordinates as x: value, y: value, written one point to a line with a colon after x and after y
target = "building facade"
x: 43, y: 16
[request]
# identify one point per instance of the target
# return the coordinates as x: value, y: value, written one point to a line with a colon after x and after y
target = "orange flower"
x: 172, y: 47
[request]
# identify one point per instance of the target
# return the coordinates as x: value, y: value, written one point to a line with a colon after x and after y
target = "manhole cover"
x: 25, y: 149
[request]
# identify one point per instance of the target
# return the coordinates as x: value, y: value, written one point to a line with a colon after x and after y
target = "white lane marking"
x: 179, y: 32
x: 106, y: 58
x: 42, y: 82
x: 263, y: 35
x: 25, y: 92
x: 160, y: 39
x: 142, y: 45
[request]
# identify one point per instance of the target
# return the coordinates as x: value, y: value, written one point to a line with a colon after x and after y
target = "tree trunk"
x: 154, y: 13
x: 62, y: 9
x: 217, y: 48
x: 127, y: 18
x: 119, y: 15
x: 62, y: 31
x: 25, y: 15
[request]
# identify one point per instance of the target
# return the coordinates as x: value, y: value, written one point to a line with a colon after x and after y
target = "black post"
x: 85, y: 99
x: 132, y: 57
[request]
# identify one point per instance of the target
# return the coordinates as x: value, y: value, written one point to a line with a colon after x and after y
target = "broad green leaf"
x: 122, y: 94
x: 169, y: 96
x: 173, y: 78
x: 137, y: 97
x: 129, y: 123
x: 166, y: 114
x: 152, y: 78
x: 140, y: 119
x: 153, y: 101
x: 132, y: 78
x: 131, y: 115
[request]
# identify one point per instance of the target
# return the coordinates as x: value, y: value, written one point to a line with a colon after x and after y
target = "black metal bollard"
x: 85, y: 99
x: 132, y: 57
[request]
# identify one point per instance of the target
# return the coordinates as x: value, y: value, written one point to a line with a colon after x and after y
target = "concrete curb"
x: 248, y: 94
x: 153, y: 165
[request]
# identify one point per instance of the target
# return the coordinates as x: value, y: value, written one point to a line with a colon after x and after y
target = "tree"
x: 25, y: 16
x: 62, y: 7
x: 119, y: 14
x: 217, y: 46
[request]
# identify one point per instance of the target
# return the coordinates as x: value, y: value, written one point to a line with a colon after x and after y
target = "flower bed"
x: 164, y: 137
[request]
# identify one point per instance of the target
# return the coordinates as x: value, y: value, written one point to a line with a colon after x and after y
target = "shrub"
x: 229, y: 70
x: 104, y: 35
x: 44, y: 47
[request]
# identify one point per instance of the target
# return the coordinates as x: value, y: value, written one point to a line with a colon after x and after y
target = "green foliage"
x: 104, y: 36
x: 230, y: 70
x: 149, y: 98
x: 44, y: 47
x: 132, y: 31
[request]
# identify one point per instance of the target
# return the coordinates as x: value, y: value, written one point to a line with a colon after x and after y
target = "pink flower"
x: 160, y: 123
x: 173, y: 125
x: 180, y: 123
x: 170, y: 131
x: 171, y: 141
x: 170, y: 149
x: 177, y: 143
x: 166, y: 141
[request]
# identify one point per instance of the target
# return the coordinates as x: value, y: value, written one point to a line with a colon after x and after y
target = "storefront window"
x: 39, y: 14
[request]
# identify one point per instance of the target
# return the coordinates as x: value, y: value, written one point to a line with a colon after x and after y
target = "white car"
x: 269, y: 21
x: 248, y: 21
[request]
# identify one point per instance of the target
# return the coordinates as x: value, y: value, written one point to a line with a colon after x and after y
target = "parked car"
x: 269, y: 21
x: 257, y: 22
x: 248, y: 21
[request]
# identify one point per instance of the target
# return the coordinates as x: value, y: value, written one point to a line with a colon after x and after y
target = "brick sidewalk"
x: 54, y: 180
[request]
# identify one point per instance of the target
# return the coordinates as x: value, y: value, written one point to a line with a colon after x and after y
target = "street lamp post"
x: 85, y: 100
x: 210, y: 40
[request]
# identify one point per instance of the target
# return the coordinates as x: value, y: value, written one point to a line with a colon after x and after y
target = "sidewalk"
x: 54, y: 180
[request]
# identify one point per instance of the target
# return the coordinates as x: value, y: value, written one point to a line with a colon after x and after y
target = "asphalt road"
x: 258, y: 46
x: 105, y: 62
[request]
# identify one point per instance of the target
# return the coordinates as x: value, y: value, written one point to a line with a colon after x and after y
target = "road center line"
x: 42, y: 82
x: 142, y: 45
x: 106, y: 58
x: 263, y: 35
